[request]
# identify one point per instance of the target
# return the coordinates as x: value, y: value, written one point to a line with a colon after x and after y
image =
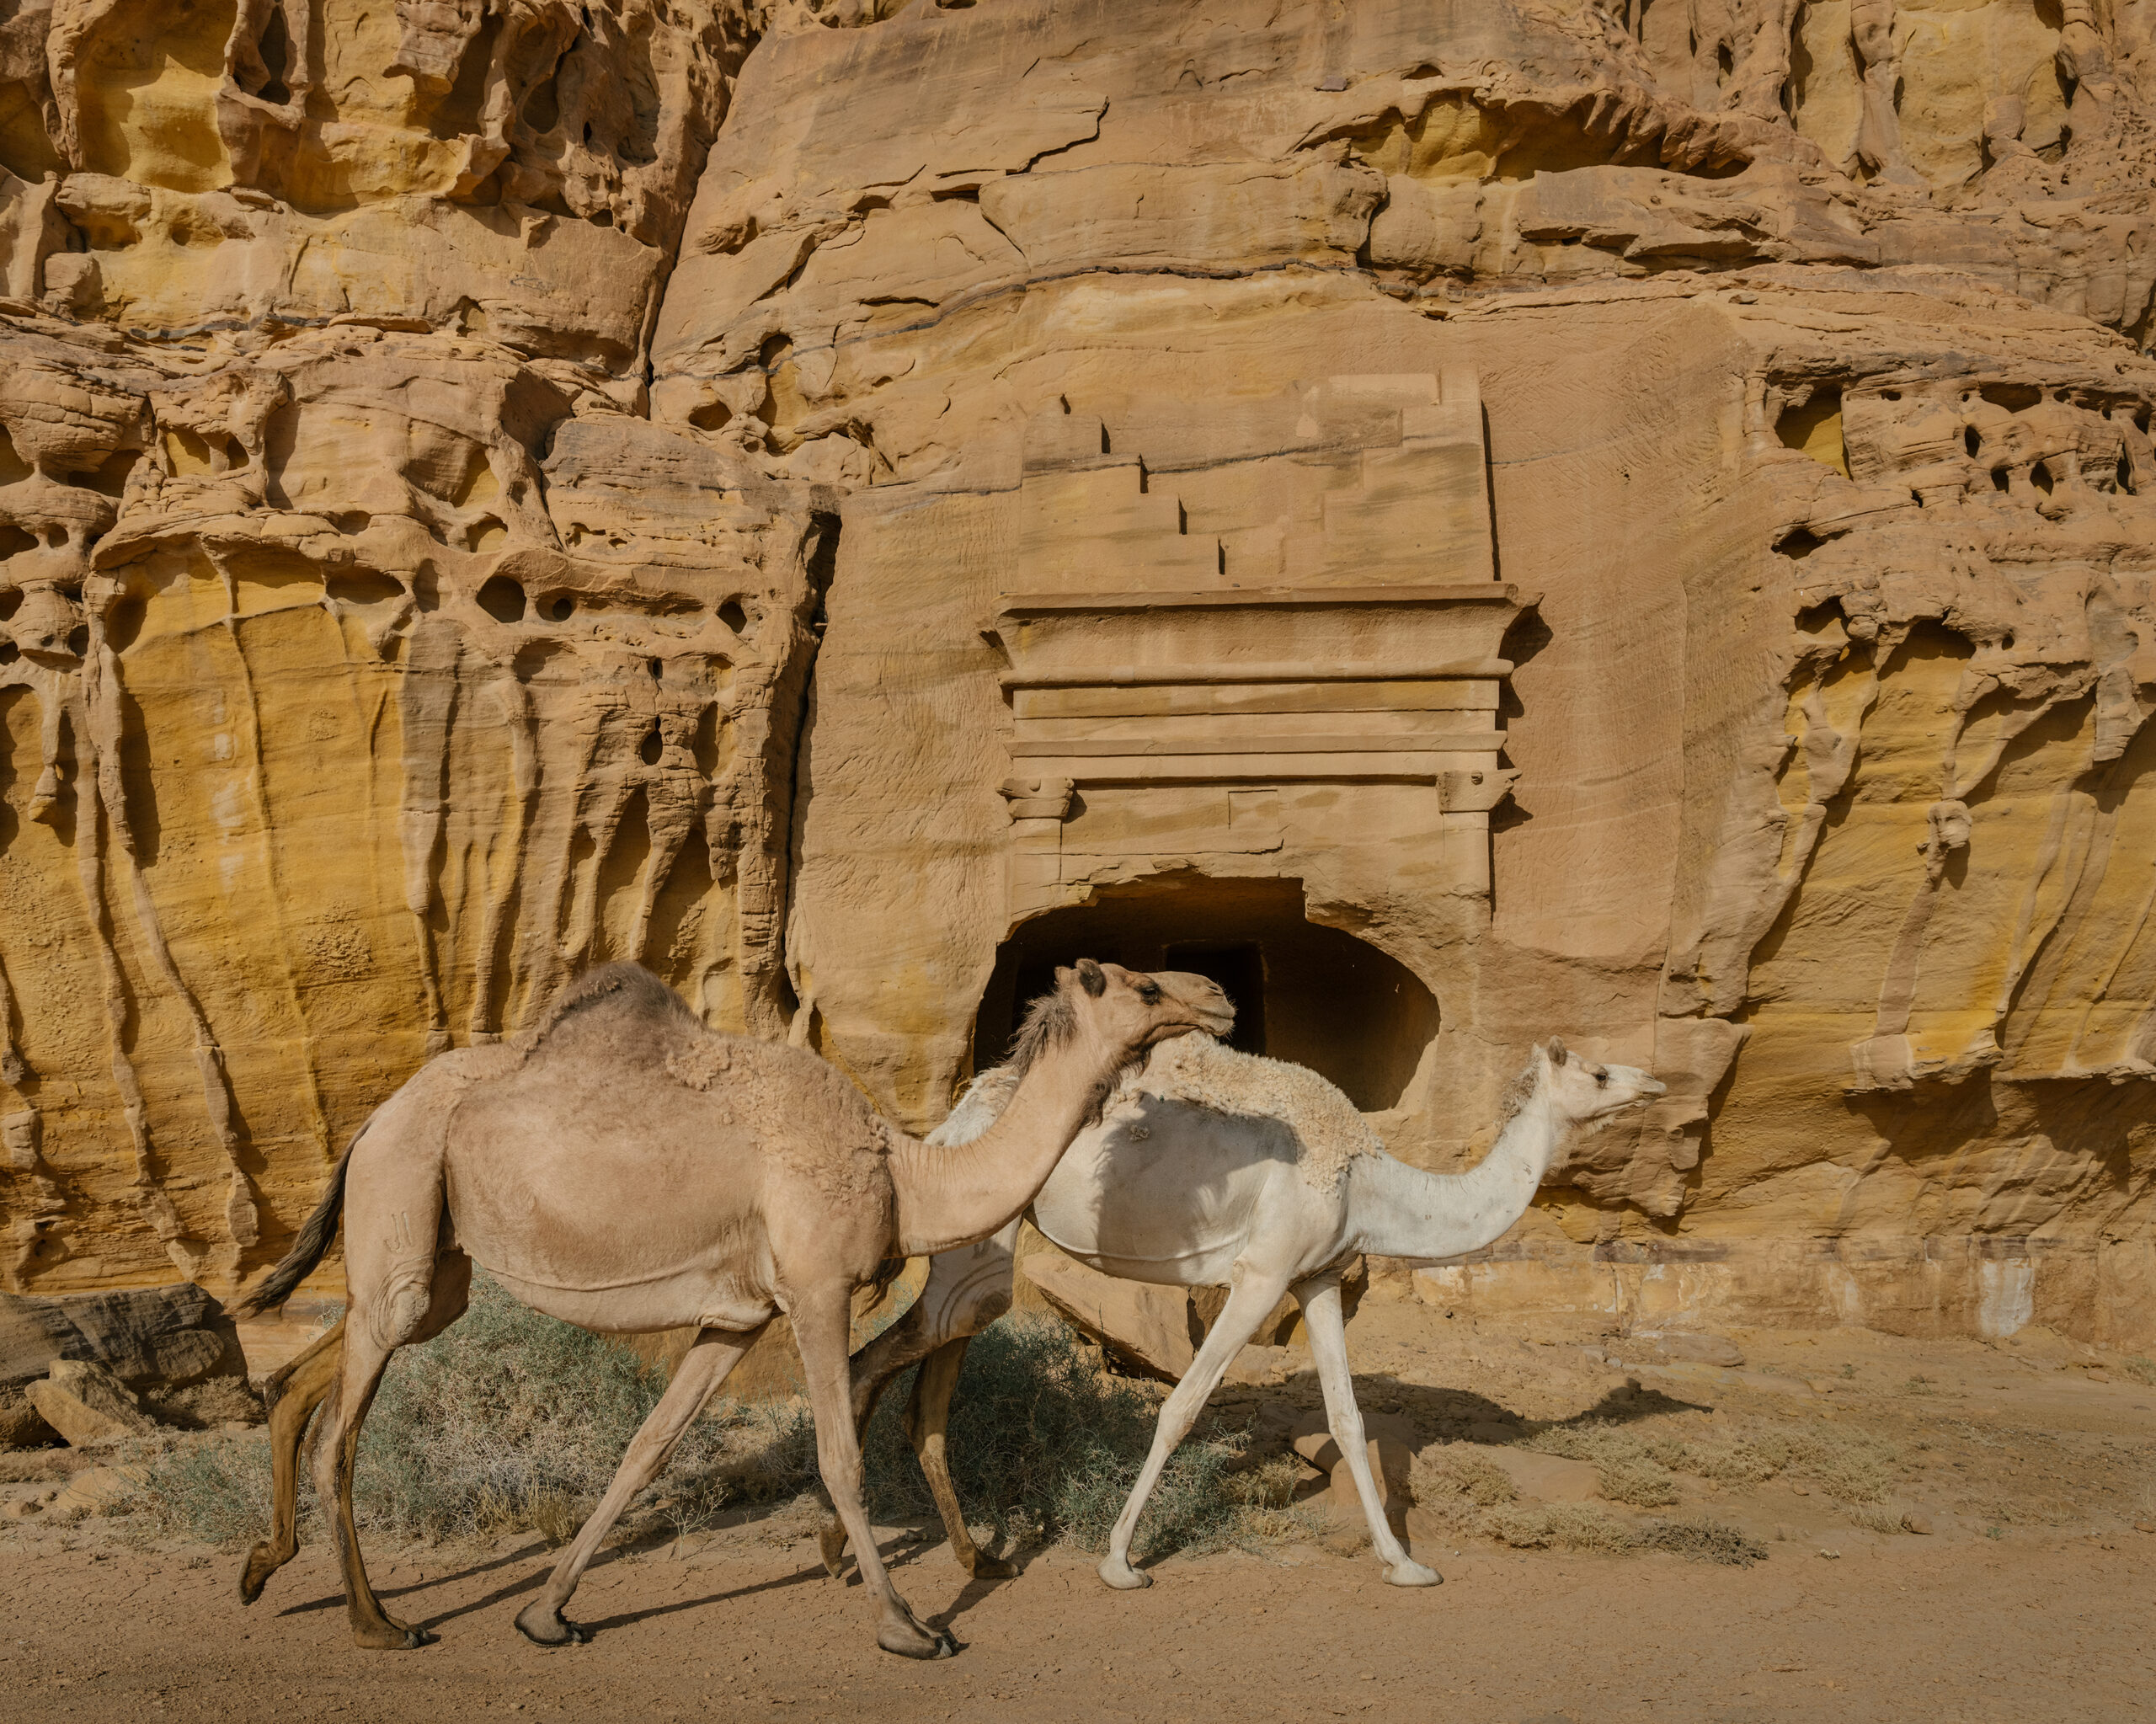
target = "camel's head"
x: 1125, y: 1010
x: 1586, y: 1094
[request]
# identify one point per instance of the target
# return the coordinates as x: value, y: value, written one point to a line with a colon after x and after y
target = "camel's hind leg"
x: 928, y: 1416
x: 820, y: 1324
x: 1319, y: 1298
x: 696, y: 1379
x: 1252, y: 1298
x: 298, y: 1388
x: 366, y: 1354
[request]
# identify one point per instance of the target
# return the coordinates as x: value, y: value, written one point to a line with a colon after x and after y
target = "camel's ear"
x: 1092, y: 977
x: 1556, y: 1050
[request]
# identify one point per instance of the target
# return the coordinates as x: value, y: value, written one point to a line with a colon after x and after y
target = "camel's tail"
x: 311, y: 1246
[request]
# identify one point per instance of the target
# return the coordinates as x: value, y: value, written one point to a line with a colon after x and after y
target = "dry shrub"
x: 1564, y: 1526
x: 1270, y: 1484
x: 1874, y: 1517
x: 511, y: 1421
x: 1701, y: 1539
x: 204, y: 1406
x: 1458, y: 1475
x: 2141, y: 1369
x: 1043, y: 1444
x: 1637, y: 1466
x: 1641, y: 1482
x: 1853, y: 1465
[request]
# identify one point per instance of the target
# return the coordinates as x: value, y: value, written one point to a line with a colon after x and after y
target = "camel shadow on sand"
x: 898, y: 1552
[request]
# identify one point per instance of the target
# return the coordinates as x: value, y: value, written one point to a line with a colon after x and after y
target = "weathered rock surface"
x: 86, y: 1404
x: 165, y: 1337
x: 1392, y: 1445
x: 1474, y: 520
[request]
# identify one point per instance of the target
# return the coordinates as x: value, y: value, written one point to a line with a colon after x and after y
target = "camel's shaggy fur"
x: 1329, y: 1133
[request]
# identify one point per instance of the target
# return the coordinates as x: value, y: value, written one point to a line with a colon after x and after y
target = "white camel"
x: 1216, y: 1168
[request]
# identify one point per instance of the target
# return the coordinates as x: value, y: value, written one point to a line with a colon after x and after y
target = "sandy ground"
x: 2042, y: 1628
x: 2031, y: 1599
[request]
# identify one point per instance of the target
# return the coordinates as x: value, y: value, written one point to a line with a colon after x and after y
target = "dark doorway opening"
x: 1239, y: 971
x: 1312, y: 995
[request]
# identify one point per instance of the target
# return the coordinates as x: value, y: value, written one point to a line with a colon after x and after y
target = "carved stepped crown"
x: 1328, y: 616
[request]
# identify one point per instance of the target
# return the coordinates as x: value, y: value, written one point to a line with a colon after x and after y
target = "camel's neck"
x: 1398, y: 1211
x: 949, y: 1197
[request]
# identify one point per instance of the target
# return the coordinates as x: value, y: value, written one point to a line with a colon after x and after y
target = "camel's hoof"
x: 916, y: 1643
x: 991, y: 1568
x: 549, y: 1628
x: 254, y: 1574
x: 1124, y: 1578
x: 392, y: 1637
x: 1411, y: 1573
x: 831, y: 1541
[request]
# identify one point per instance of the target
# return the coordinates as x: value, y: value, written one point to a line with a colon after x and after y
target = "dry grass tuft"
x: 1874, y: 1517
x: 512, y: 1423
x: 1702, y: 1540
x: 1564, y: 1526
x: 1458, y: 1475
x: 2141, y: 1369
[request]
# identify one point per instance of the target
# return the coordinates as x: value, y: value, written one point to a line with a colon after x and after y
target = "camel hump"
x: 627, y: 989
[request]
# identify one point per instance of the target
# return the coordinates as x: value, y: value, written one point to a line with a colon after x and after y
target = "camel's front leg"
x: 299, y: 1388
x: 1319, y: 1298
x: 928, y: 1416
x: 820, y: 1324
x: 696, y: 1379
x: 1253, y: 1296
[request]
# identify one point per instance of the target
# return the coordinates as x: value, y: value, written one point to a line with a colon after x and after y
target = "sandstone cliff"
x: 1471, y: 520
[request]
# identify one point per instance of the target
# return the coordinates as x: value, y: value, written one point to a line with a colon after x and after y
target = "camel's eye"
x: 1150, y: 992
x: 1601, y: 1078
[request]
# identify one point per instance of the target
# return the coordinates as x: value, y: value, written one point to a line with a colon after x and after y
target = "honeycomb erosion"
x: 1471, y: 518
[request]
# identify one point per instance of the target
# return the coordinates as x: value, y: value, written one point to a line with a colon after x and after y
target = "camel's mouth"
x: 1215, y: 1022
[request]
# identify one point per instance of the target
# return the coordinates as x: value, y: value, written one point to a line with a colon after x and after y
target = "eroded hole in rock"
x: 275, y: 50
x: 108, y: 478
x: 2126, y: 473
x: 1814, y: 428
x: 365, y: 586
x: 78, y: 639
x: 2000, y: 478
x: 653, y: 746
x: 1312, y: 995
x: 712, y: 416
x: 2039, y: 476
x: 10, y: 651
x: 502, y: 599
x: 123, y: 622
x: 1816, y: 619
x: 2014, y: 398
x: 1803, y: 541
x: 11, y: 601
x: 558, y: 607
x: 734, y: 616
x: 13, y: 539
x: 1972, y: 440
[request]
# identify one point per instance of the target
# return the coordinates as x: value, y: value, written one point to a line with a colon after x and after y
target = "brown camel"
x: 623, y: 1167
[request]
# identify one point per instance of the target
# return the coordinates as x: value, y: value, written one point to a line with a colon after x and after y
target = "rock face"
x: 164, y: 1337
x: 86, y: 1404
x: 1466, y: 521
